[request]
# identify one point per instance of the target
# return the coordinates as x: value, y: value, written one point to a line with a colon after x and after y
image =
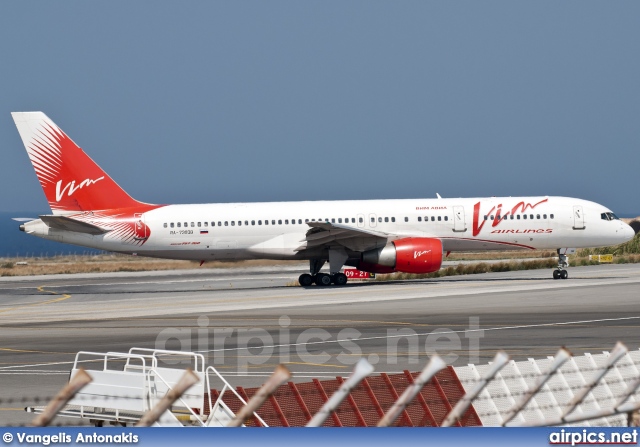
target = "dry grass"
x: 113, y: 263
x: 625, y: 253
x: 494, y: 255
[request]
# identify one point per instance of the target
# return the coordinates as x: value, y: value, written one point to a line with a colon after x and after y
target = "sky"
x: 241, y: 101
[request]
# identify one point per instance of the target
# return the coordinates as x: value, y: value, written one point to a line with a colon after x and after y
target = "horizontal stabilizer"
x: 68, y: 224
x: 23, y: 219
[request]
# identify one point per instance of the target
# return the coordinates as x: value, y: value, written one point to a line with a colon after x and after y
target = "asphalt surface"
x: 248, y: 321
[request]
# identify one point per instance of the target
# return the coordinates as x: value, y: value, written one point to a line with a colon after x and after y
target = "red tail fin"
x: 71, y: 180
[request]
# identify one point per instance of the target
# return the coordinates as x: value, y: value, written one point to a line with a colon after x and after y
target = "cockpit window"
x: 608, y: 216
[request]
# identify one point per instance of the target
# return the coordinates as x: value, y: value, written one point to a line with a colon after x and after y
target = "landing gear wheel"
x: 305, y: 280
x: 556, y: 274
x: 339, y: 279
x: 564, y: 274
x: 323, y: 280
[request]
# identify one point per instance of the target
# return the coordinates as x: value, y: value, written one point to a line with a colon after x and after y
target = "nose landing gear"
x: 563, y: 263
x: 560, y: 274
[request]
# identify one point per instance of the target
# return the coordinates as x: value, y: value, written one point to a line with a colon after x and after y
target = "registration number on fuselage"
x: 181, y: 232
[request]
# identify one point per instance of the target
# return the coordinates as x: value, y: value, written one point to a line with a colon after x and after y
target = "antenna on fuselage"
x: 438, y: 196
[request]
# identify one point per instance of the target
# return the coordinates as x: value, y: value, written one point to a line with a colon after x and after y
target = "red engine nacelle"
x: 410, y: 255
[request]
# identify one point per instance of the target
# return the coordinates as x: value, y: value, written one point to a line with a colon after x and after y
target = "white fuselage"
x: 277, y: 230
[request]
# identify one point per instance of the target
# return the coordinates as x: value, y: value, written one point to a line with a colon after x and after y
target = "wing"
x: 356, y: 239
x: 68, y: 224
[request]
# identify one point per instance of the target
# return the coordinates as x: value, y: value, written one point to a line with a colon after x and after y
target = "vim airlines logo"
x: 417, y: 254
x: 72, y: 188
x: 520, y: 207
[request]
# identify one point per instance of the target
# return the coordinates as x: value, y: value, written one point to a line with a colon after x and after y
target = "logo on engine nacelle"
x: 417, y: 254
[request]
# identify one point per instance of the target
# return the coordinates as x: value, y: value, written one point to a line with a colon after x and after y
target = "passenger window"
x: 192, y: 225
x: 286, y: 221
x: 178, y: 224
x: 253, y: 222
x: 206, y: 224
x: 544, y: 216
x: 239, y: 223
x: 360, y: 219
x: 171, y: 224
x: 530, y: 216
x: 233, y: 223
x: 300, y: 221
x: 373, y: 220
x: 219, y: 223
x: 406, y: 219
x: 259, y: 222
x: 538, y: 216
x: 551, y: 216
x: 511, y: 217
x: 433, y: 218
x: 498, y: 217
x: 199, y: 224
x: 524, y: 216
x: 379, y: 219
x: 393, y: 219
x: 419, y: 219
x: 266, y: 222
x: 491, y: 217
x: 273, y: 222
x: 340, y: 220
x: 186, y: 224
x: 306, y: 220
x: 226, y: 223
x: 386, y: 219
x: 164, y: 225
x: 353, y: 220
x: 439, y: 218
x: 518, y: 216
x: 486, y: 217
x: 279, y: 221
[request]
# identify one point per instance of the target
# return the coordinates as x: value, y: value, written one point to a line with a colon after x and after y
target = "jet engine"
x: 410, y: 255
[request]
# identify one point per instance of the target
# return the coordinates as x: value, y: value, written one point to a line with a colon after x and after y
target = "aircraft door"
x: 578, y: 218
x: 459, y: 223
x: 373, y: 220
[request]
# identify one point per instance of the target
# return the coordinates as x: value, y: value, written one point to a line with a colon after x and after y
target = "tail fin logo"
x: 70, y: 179
x: 71, y: 187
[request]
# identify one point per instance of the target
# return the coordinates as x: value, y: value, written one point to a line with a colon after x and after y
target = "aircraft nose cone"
x: 627, y: 232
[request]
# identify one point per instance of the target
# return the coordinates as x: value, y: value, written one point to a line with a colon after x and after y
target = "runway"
x: 247, y: 321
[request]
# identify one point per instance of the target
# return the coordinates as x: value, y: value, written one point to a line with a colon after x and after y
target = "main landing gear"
x: 322, y: 279
x: 563, y: 263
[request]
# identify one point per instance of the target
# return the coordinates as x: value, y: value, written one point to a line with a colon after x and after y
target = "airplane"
x: 89, y: 209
